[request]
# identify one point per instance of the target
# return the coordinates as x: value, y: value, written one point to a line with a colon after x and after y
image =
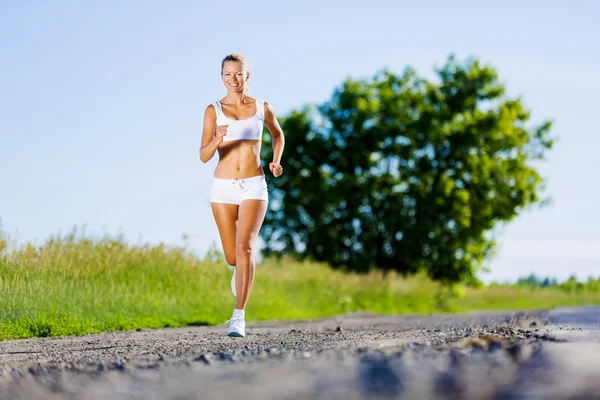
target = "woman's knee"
x: 244, y: 248
x: 230, y: 258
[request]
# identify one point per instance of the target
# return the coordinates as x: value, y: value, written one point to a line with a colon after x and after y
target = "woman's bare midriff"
x: 239, y: 159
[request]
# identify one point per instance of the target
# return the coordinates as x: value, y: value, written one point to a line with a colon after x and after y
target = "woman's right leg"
x: 226, y: 216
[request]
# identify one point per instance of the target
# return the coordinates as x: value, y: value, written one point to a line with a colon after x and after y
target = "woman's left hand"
x: 276, y: 169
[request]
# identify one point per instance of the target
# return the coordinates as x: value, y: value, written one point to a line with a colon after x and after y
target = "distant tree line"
x: 571, y: 285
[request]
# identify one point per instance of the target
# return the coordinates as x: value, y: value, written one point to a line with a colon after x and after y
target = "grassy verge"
x: 73, y: 285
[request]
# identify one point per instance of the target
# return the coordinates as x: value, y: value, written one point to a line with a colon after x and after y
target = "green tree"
x: 400, y: 173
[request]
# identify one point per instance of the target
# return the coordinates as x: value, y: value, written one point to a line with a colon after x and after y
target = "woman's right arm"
x: 210, y: 141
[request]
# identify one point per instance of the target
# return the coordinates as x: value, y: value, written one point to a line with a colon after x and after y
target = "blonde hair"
x: 237, y: 57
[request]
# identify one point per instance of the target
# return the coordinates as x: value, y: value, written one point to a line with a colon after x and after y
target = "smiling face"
x: 235, y: 76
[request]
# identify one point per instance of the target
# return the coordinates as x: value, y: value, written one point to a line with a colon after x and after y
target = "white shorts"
x: 234, y: 191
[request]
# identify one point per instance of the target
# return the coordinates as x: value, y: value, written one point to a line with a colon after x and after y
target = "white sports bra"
x: 243, y: 129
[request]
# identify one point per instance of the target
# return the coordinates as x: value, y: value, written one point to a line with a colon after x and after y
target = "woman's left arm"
x: 278, y: 139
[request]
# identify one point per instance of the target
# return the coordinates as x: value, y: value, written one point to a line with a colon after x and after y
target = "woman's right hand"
x: 220, y: 132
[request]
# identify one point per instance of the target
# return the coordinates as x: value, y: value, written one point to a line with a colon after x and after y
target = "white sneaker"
x: 237, y: 326
x: 233, y: 282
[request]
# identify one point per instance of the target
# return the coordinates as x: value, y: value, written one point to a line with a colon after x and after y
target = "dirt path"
x: 553, y: 354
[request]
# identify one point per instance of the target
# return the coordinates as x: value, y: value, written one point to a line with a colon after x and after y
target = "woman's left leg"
x: 251, y: 215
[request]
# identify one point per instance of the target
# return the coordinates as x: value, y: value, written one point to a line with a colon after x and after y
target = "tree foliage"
x: 401, y: 173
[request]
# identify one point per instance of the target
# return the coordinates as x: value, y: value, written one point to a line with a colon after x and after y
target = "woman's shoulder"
x: 211, y: 109
x: 268, y: 107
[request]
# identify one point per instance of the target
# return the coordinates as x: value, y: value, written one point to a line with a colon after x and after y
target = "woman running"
x: 233, y: 126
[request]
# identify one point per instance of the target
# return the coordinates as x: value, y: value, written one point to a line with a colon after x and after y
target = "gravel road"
x: 552, y: 354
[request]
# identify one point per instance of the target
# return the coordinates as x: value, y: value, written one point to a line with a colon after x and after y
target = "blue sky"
x: 101, y: 105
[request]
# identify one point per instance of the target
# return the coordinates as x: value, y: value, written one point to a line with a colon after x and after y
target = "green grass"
x: 75, y: 285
